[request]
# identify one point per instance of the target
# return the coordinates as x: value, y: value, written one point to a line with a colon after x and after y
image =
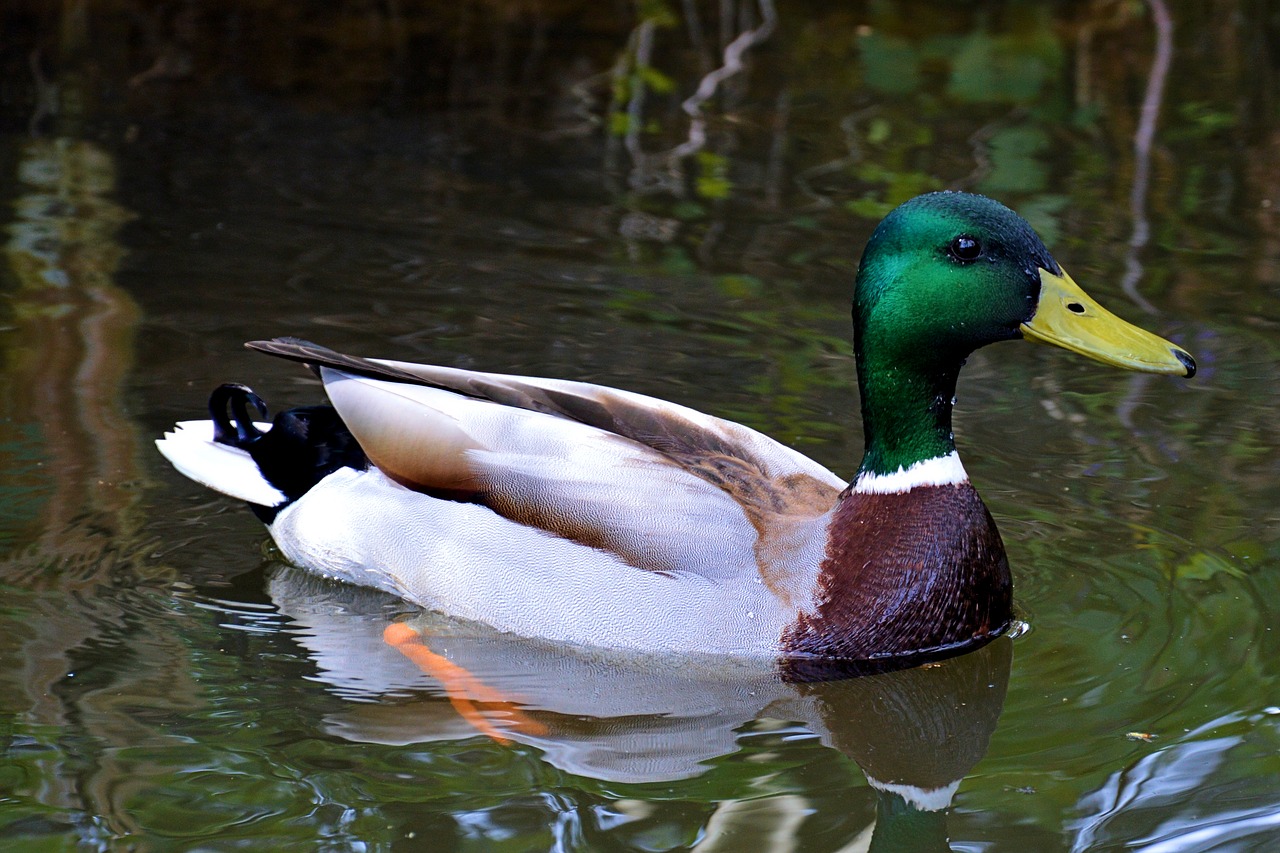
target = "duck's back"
x: 561, y: 509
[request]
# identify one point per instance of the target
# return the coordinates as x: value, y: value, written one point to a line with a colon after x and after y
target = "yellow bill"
x: 1068, y: 317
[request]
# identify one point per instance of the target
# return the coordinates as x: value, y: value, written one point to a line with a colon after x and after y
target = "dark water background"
x: 527, y: 187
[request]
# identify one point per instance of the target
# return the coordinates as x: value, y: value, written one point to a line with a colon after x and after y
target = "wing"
x: 662, y: 486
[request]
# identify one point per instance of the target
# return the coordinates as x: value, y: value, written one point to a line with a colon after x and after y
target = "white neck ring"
x: 939, y: 471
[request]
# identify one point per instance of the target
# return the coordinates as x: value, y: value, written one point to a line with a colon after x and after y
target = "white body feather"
x: 602, y: 540
x: 470, y: 562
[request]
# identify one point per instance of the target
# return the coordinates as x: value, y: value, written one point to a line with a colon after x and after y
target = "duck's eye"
x: 965, y: 248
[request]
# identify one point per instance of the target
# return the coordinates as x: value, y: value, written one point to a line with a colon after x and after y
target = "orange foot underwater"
x: 466, y: 693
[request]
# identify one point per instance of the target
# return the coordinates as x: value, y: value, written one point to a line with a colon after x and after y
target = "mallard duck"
x: 582, y: 514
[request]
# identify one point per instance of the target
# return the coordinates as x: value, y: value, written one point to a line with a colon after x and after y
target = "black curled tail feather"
x: 302, y: 447
x: 229, y: 407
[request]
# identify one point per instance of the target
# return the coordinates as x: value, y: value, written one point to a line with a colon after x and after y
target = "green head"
x: 944, y: 274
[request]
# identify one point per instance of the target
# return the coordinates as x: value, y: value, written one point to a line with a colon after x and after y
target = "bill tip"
x: 1187, y: 361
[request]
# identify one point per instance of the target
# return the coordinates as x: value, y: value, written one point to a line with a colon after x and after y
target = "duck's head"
x: 948, y: 272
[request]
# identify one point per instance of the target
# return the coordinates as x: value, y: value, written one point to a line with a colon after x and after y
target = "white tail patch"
x: 939, y: 471
x: 191, y: 449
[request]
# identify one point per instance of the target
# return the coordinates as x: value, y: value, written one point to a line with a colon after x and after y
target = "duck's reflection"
x: 629, y: 719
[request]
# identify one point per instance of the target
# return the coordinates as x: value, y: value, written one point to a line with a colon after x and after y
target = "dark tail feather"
x: 315, y: 356
x: 303, y: 446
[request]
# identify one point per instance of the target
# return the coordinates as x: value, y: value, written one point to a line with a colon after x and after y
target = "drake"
x: 583, y: 514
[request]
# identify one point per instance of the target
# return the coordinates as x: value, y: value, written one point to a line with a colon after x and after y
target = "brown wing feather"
x: 475, y: 385
x: 768, y: 496
x: 665, y: 432
x: 315, y: 356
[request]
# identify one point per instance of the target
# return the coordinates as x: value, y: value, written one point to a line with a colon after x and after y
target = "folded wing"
x: 663, y: 487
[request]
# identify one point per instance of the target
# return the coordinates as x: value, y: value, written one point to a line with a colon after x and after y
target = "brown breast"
x: 906, y: 574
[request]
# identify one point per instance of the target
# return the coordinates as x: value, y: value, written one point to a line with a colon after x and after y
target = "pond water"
x: 585, y: 191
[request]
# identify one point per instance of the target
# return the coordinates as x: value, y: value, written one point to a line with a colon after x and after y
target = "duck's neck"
x: 903, y: 823
x: 913, y: 564
x: 906, y: 422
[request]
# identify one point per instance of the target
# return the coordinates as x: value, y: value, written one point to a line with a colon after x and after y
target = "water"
x: 503, y: 186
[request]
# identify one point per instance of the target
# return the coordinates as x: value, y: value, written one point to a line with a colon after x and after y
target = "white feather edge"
x: 939, y: 471
x: 190, y: 448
